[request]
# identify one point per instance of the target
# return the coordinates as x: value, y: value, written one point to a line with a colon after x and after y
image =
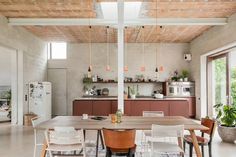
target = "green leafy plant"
x: 185, y: 73
x: 226, y: 114
x: 132, y: 91
x: 87, y: 81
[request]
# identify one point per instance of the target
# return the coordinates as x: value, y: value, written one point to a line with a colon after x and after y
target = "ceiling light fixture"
x: 143, y: 50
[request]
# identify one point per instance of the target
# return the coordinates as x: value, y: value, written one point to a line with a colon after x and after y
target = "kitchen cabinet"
x: 102, y: 108
x: 82, y: 107
x: 179, y: 108
x: 138, y: 107
x: 160, y: 106
x: 185, y: 107
x: 114, y: 107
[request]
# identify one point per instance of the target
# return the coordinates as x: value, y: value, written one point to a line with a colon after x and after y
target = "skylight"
x: 131, y: 10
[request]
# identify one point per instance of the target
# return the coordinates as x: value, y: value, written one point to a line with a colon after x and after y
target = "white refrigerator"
x: 40, y: 99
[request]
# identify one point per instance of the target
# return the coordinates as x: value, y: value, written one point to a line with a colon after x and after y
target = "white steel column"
x: 121, y: 55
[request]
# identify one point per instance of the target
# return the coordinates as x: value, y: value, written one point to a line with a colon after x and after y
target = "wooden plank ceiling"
x: 86, y: 9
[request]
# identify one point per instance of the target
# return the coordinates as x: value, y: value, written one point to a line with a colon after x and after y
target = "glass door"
x: 221, y: 80
x: 218, y: 81
x: 232, y: 68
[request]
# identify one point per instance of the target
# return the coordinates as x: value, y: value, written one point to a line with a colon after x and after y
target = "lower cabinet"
x: 82, y: 107
x: 160, y: 106
x: 184, y: 108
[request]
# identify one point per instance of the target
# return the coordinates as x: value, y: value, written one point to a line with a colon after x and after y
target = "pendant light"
x: 142, y: 68
x: 161, y: 68
x: 108, y: 68
x: 126, y: 52
x: 90, y: 50
x: 156, y: 70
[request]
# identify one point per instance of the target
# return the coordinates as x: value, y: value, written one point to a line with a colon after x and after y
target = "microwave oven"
x: 181, y: 89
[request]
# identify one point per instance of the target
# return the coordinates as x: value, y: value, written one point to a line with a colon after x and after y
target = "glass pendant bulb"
x: 90, y: 68
x: 108, y: 68
x: 126, y: 68
x: 161, y: 68
x: 142, y: 68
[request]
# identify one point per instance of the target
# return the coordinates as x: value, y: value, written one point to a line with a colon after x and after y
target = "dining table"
x: 127, y: 122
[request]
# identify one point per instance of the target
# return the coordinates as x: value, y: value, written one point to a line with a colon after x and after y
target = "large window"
x: 57, y: 50
x: 221, y: 79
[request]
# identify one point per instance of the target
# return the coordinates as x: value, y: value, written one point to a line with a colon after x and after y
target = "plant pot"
x: 181, y: 80
x: 133, y: 96
x: 185, y: 79
x: 227, y: 134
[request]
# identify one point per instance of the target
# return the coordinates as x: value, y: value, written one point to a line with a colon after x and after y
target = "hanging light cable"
x: 161, y: 68
x: 108, y: 51
x: 143, y: 50
x: 126, y: 52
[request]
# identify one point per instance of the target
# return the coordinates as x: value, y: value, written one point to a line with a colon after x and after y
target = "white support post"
x: 121, y: 55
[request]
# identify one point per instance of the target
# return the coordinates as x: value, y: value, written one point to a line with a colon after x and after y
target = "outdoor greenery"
x: 220, y: 77
x: 233, y: 85
x: 226, y: 115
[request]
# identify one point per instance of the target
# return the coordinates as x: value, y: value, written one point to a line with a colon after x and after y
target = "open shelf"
x: 127, y: 82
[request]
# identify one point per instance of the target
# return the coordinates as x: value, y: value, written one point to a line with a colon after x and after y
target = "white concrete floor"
x: 18, y: 141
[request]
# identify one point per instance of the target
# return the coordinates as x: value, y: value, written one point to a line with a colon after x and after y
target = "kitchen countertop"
x: 136, y: 99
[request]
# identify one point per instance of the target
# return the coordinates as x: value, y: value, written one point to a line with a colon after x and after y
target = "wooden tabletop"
x: 128, y: 122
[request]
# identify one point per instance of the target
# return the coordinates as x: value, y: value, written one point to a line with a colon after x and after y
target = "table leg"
x: 44, y: 151
x: 100, y: 133
x: 195, y: 143
x: 97, y: 144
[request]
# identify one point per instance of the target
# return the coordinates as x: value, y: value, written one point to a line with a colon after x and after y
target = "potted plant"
x: 185, y: 75
x: 132, y: 93
x: 226, y: 118
x: 87, y: 81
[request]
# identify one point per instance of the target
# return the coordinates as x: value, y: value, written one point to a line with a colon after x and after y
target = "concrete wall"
x: 34, y: 52
x: 5, y: 68
x: 170, y: 56
x: 214, y: 38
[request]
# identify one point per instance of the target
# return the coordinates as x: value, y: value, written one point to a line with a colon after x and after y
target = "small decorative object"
x: 118, y: 116
x: 85, y: 116
x: 125, y: 95
x: 113, y: 118
x: 175, y: 77
x: 226, y: 118
x: 185, y: 75
x: 132, y: 93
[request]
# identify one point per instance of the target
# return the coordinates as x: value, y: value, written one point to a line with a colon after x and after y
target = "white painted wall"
x: 34, y: 54
x: 170, y: 56
x: 214, y: 38
x: 5, y: 67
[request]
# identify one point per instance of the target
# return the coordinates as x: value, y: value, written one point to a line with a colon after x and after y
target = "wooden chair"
x: 65, y: 139
x: 38, y: 134
x: 151, y: 114
x: 119, y: 142
x: 202, y: 141
x: 166, y: 140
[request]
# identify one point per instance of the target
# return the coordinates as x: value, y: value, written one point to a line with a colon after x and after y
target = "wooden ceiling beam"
x: 103, y: 22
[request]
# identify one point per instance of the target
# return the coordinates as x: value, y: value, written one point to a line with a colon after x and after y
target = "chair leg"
x: 190, y: 150
x: 184, y: 145
x: 35, y: 150
x: 202, y: 147
x: 209, y: 146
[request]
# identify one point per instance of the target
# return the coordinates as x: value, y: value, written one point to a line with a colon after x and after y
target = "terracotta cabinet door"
x: 192, y: 107
x: 101, y: 107
x: 82, y: 107
x: 114, y: 107
x: 179, y: 108
x: 127, y: 108
x: 137, y: 107
x: 160, y: 106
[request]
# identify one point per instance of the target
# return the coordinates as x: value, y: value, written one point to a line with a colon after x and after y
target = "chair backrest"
x: 64, y: 136
x: 162, y: 131
x: 153, y: 114
x: 36, y: 120
x: 119, y: 139
x: 210, y: 124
